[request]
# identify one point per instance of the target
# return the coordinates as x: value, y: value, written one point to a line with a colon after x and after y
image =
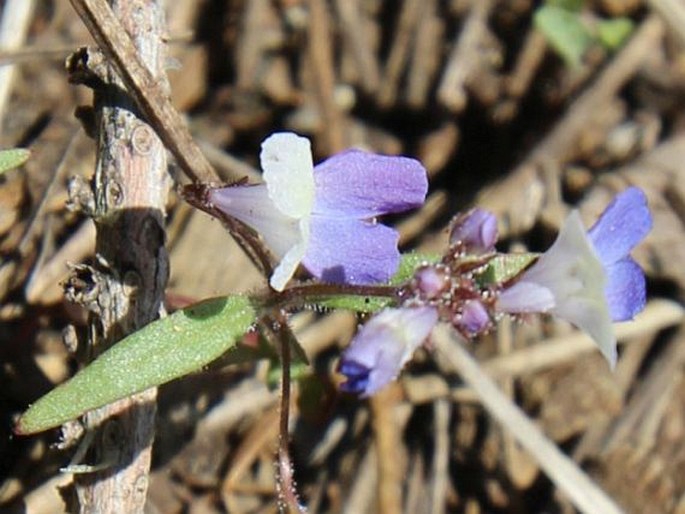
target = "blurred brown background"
x: 473, y: 90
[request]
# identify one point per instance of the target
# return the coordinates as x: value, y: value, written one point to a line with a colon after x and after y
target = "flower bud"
x: 475, y: 231
x: 474, y: 318
x: 430, y: 282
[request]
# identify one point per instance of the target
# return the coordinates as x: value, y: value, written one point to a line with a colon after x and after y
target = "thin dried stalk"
x: 579, y: 487
x: 320, y: 55
x: 142, y: 82
x: 14, y: 25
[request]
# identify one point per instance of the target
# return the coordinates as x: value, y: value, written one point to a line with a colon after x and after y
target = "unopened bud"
x: 431, y: 282
x: 476, y: 231
x: 474, y: 318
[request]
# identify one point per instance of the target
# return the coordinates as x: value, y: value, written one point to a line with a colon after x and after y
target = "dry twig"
x: 518, y: 199
x: 582, y: 491
x: 16, y: 15
x: 130, y: 190
x: 150, y: 94
x: 320, y: 55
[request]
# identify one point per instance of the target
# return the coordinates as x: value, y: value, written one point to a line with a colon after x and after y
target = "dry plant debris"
x: 471, y: 89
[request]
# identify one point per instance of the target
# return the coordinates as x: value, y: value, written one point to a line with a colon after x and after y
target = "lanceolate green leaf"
x: 12, y: 158
x: 574, y: 6
x: 505, y: 267
x: 410, y: 262
x: 169, y: 348
x: 365, y: 304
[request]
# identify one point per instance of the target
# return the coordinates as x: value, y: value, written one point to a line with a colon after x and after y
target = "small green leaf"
x: 12, y: 158
x: 564, y: 31
x: 409, y: 263
x: 613, y: 33
x: 505, y: 267
x: 568, y: 5
x: 166, y: 349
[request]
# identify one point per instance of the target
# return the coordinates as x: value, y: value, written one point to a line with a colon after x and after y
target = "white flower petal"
x: 286, y: 160
x: 525, y: 296
x: 253, y: 206
x: 291, y: 260
x: 573, y: 272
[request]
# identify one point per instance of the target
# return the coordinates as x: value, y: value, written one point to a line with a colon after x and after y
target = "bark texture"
x: 125, y: 288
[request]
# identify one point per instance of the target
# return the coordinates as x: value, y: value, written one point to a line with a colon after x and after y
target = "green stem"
x: 301, y: 295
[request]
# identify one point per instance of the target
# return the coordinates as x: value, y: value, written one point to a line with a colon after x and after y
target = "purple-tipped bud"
x: 430, y: 282
x: 382, y: 347
x: 474, y: 318
x: 475, y: 231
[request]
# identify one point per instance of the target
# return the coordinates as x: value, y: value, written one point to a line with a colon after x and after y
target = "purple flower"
x: 475, y: 230
x: 382, y: 347
x: 324, y: 216
x: 589, y: 279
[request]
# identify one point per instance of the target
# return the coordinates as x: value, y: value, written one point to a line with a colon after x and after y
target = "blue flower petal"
x: 357, y: 376
x: 625, y: 290
x: 624, y: 223
x: 351, y: 251
x: 364, y: 185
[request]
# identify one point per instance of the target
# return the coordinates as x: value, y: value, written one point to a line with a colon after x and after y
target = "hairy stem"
x: 288, y: 499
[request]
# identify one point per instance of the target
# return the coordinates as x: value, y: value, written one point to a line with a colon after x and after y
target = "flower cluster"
x: 324, y: 217
x: 586, y: 278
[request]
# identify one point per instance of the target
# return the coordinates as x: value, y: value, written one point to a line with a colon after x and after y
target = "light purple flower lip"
x: 324, y: 216
x: 622, y: 225
x: 383, y: 346
x: 352, y: 188
x: 589, y: 279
